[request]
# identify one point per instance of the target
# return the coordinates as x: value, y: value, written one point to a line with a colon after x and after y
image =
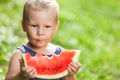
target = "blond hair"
x: 39, y: 5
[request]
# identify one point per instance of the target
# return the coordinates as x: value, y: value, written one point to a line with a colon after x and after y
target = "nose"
x: 40, y: 31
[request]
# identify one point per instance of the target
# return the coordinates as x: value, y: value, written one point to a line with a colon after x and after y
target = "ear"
x: 57, y: 26
x: 23, y: 25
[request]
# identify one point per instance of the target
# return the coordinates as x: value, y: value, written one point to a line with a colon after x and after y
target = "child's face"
x: 41, y: 27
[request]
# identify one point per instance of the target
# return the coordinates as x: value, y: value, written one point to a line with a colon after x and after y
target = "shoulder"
x: 14, y: 64
x: 17, y: 54
x: 53, y: 47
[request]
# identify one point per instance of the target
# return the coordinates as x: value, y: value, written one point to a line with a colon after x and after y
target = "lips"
x: 40, y: 39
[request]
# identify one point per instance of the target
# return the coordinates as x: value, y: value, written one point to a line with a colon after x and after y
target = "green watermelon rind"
x: 23, y: 61
x: 59, y: 75
x: 75, y: 58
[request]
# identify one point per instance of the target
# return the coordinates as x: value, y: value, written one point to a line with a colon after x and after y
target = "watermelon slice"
x: 51, y: 67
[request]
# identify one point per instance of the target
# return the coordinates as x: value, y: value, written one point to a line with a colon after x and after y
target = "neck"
x: 43, y: 50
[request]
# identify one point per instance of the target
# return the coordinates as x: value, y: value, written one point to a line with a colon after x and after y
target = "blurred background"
x: 89, y: 25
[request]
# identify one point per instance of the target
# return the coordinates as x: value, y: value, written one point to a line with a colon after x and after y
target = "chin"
x: 40, y: 45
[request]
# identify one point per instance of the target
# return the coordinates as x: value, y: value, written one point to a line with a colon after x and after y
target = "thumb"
x: 22, y: 65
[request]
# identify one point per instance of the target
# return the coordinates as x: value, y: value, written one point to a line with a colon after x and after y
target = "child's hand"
x: 28, y: 72
x: 73, y: 68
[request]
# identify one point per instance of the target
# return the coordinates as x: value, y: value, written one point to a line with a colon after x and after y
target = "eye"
x: 33, y: 25
x: 48, y: 26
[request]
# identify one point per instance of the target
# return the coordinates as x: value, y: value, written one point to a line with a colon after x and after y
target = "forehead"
x: 47, y: 15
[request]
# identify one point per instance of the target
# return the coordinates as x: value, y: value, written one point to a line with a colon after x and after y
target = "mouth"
x: 40, y: 40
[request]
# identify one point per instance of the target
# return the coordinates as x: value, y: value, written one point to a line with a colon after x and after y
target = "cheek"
x: 30, y: 34
x: 50, y: 33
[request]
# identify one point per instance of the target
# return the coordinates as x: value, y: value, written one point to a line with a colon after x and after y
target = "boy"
x: 40, y: 22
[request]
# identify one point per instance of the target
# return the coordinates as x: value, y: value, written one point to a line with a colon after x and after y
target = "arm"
x: 14, y: 67
x: 69, y: 78
x: 72, y: 69
x: 16, y: 71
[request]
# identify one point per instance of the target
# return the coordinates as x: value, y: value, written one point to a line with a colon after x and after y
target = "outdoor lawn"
x: 92, y: 26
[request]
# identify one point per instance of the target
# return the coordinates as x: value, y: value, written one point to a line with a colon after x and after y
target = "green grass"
x: 90, y: 25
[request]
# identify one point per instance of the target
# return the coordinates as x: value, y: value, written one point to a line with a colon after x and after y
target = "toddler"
x: 40, y: 22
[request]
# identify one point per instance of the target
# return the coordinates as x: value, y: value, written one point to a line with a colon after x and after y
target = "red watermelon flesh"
x: 51, y: 67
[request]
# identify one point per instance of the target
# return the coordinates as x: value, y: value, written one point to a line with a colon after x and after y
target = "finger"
x: 70, y: 71
x: 23, y: 69
x: 76, y: 65
x: 72, y: 68
x: 29, y: 69
x: 31, y: 72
